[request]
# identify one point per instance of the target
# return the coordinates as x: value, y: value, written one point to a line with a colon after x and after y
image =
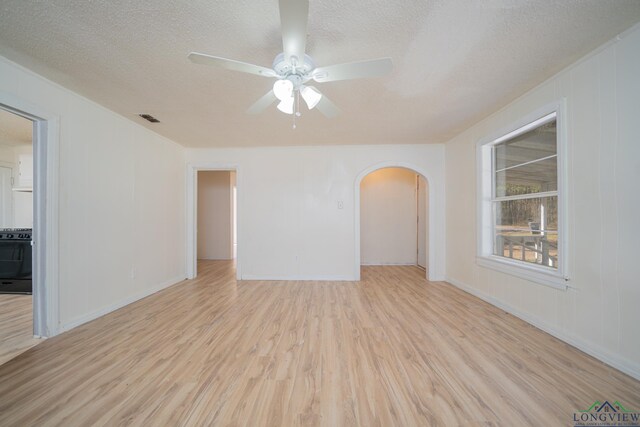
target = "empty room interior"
x: 314, y: 212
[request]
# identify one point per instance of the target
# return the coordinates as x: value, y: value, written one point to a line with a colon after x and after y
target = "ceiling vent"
x: 149, y: 118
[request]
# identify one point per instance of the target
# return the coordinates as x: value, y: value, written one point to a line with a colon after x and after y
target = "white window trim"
x: 555, y: 278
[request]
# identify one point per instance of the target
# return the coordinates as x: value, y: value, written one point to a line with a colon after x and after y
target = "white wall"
x: 121, y: 201
x: 289, y: 223
x: 599, y: 312
x: 7, y: 156
x: 388, y: 213
x: 215, y: 215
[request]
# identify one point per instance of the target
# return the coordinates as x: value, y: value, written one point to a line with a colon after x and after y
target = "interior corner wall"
x: 215, y: 215
x: 388, y: 213
x: 121, y: 201
x: 291, y: 225
x: 599, y: 312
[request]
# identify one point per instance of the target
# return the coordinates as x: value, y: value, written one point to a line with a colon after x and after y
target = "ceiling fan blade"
x: 353, y: 70
x: 293, y: 21
x: 230, y: 64
x: 261, y: 104
x: 328, y: 108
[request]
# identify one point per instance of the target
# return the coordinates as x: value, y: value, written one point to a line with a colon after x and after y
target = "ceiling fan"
x: 293, y: 68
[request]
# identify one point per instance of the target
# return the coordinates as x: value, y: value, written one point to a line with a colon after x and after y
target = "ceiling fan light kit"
x: 293, y: 67
x: 286, y: 105
x: 283, y: 89
x: 311, y: 96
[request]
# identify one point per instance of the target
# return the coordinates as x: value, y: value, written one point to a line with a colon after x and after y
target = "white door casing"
x: 423, y: 220
x: 46, y: 316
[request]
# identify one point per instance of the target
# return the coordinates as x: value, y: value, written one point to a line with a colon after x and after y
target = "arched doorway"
x: 402, y: 197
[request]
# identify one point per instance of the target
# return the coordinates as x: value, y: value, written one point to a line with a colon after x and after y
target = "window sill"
x: 532, y: 273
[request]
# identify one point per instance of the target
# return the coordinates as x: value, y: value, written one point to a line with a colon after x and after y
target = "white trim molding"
x: 556, y: 278
x: 80, y: 320
x: 616, y: 361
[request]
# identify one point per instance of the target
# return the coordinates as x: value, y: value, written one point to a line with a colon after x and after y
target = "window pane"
x: 527, y: 164
x: 527, y: 230
x: 526, y: 179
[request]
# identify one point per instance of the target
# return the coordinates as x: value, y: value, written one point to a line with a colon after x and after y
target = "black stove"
x: 15, y: 233
x: 15, y: 260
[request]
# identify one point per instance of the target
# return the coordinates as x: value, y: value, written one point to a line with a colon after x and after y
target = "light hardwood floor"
x: 392, y: 349
x: 16, y: 326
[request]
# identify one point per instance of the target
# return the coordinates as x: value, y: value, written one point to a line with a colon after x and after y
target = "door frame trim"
x: 192, y: 214
x: 46, y: 152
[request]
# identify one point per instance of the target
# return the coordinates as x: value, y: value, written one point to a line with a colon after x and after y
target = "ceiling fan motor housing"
x: 296, y: 73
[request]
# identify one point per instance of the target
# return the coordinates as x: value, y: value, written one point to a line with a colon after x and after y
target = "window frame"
x: 556, y: 278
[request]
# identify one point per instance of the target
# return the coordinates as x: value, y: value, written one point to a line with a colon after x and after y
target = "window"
x: 521, y: 227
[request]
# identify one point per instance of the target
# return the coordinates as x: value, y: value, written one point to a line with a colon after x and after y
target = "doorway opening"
x: 16, y: 227
x: 394, y: 220
x: 213, y: 230
x: 45, y: 216
x: 216, y: 226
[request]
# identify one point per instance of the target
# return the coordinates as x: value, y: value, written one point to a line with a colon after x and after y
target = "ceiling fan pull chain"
x: 294, y: 113
x: 296, y: 107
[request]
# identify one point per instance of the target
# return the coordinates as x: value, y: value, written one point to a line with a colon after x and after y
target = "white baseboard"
x: 77, y: 321
x: 627, y: 366
x: 298, y: 279
x: 374, y: 263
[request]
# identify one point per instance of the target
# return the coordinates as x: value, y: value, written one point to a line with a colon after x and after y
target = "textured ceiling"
x: 455, y: 61
x: 14, y: 130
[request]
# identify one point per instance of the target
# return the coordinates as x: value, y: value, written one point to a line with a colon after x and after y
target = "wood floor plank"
x: 392, y: 349
x: 16, y: 325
